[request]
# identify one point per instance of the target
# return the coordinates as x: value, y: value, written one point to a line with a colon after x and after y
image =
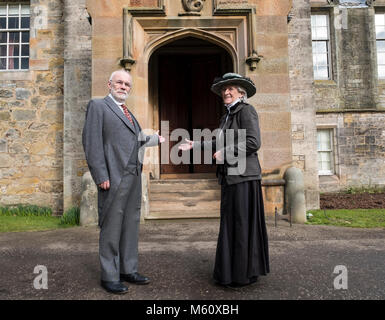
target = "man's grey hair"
x: 117, y: 71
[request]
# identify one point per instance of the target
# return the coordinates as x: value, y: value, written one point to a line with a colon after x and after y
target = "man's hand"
x: 105, y: 185
x: 161, y: 139
x: 186, y: 146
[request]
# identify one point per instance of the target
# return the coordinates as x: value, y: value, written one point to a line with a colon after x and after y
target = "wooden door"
x: 186, y: 101
x: 206, y: 106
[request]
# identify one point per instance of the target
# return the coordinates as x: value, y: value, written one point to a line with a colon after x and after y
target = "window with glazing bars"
x: 325, y: 151
x: 320, y: 32
x: 14, y: 36
x: 380, y: 41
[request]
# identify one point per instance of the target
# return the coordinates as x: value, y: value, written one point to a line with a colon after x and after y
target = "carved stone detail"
x: 251, y: 14
x: 230, y: 35
x: 127, y: 61
x: 128, y: 13
x: 369, y: 3
x: 155, y: 34
x: 193, y: 5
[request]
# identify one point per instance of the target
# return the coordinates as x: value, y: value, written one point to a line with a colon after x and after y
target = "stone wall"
x: 352, y: 102
x: 77, y: 92
x: 31, y: 116
x: 354, y: 72
x: 303, y: 122
x: 359, y: 150
x: 272, y: 100
x: 358, y: 60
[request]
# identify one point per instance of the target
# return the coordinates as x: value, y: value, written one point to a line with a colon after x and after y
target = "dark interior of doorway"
x: 186, y: 70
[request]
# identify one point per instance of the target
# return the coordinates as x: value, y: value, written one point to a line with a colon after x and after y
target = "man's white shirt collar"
x: 118, y: 103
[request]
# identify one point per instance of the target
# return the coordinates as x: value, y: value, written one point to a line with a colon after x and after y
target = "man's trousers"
x: 118, y: 242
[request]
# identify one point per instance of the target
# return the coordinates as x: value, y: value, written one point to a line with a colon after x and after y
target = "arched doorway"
x: 181, y: 74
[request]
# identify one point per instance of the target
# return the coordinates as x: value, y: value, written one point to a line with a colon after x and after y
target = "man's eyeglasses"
x: 120, y: 83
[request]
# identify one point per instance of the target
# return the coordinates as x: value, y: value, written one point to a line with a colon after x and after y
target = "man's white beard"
x: 120, y: 97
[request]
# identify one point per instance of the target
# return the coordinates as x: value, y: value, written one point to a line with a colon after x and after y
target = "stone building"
x: 318, y: 67
x: 346, y: 95
x: 31, y: 102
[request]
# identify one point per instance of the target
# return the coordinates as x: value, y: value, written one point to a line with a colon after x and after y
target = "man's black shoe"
x: 114, y: 287
x: 134, y: 278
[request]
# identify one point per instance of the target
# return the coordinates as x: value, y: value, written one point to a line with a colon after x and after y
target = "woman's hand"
x: 218, y: 156
x: 186, y: 146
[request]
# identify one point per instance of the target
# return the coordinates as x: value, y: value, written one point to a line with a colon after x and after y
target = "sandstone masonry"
x: 352, y: 102
x: 31, y: 116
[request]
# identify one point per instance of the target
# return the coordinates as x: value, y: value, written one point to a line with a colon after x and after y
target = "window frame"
x: 20, y: 42
x: 328, y: 44
x: 378, y: 40
x: 331, y: 152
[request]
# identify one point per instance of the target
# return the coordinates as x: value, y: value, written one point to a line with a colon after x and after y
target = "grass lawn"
x: 355, y: 218
x: 34, y: 218
x: 31, y: 223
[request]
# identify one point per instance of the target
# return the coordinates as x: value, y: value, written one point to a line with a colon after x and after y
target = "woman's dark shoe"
x: 236, y: 286
x: 114, y: 287
x: 134, y: 278
x: 253, y: 279
x: 226, y: 285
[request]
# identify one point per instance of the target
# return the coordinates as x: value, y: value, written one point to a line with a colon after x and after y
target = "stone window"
x: 14, y: 36
x: 380, y: 41
x: 320, y: 32
x: 325, y: 151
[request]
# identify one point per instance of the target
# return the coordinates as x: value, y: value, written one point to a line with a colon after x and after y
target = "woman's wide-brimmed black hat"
x: 236, y: 79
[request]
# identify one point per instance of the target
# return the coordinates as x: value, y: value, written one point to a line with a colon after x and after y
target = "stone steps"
x: 200, y: 195
x: 185, y: 185
x: 183, y: 215
x: 184, y: 198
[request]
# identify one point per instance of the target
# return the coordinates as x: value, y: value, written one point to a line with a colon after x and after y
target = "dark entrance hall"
x: 186, y: 70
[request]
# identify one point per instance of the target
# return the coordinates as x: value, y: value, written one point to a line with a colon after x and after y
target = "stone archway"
x: 216, y: 39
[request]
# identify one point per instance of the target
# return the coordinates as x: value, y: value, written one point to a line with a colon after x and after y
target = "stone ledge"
x: 325, y: 83
x: 349, y: 111
x: 19, y: 75
x: 273, y: 182
x: 326, y: 179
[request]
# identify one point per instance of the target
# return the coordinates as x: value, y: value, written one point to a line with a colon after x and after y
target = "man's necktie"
x: 125, y: 110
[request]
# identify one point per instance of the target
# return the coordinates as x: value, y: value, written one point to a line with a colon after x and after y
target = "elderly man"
x: 113, y: 145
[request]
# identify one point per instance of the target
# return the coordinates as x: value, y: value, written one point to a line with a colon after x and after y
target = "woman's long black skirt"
x: 242, y: 249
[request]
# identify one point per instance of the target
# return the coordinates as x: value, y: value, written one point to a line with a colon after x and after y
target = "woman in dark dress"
x: 242, y: 250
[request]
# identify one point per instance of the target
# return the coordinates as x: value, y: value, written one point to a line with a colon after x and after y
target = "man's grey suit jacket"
x: 109, y: 139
